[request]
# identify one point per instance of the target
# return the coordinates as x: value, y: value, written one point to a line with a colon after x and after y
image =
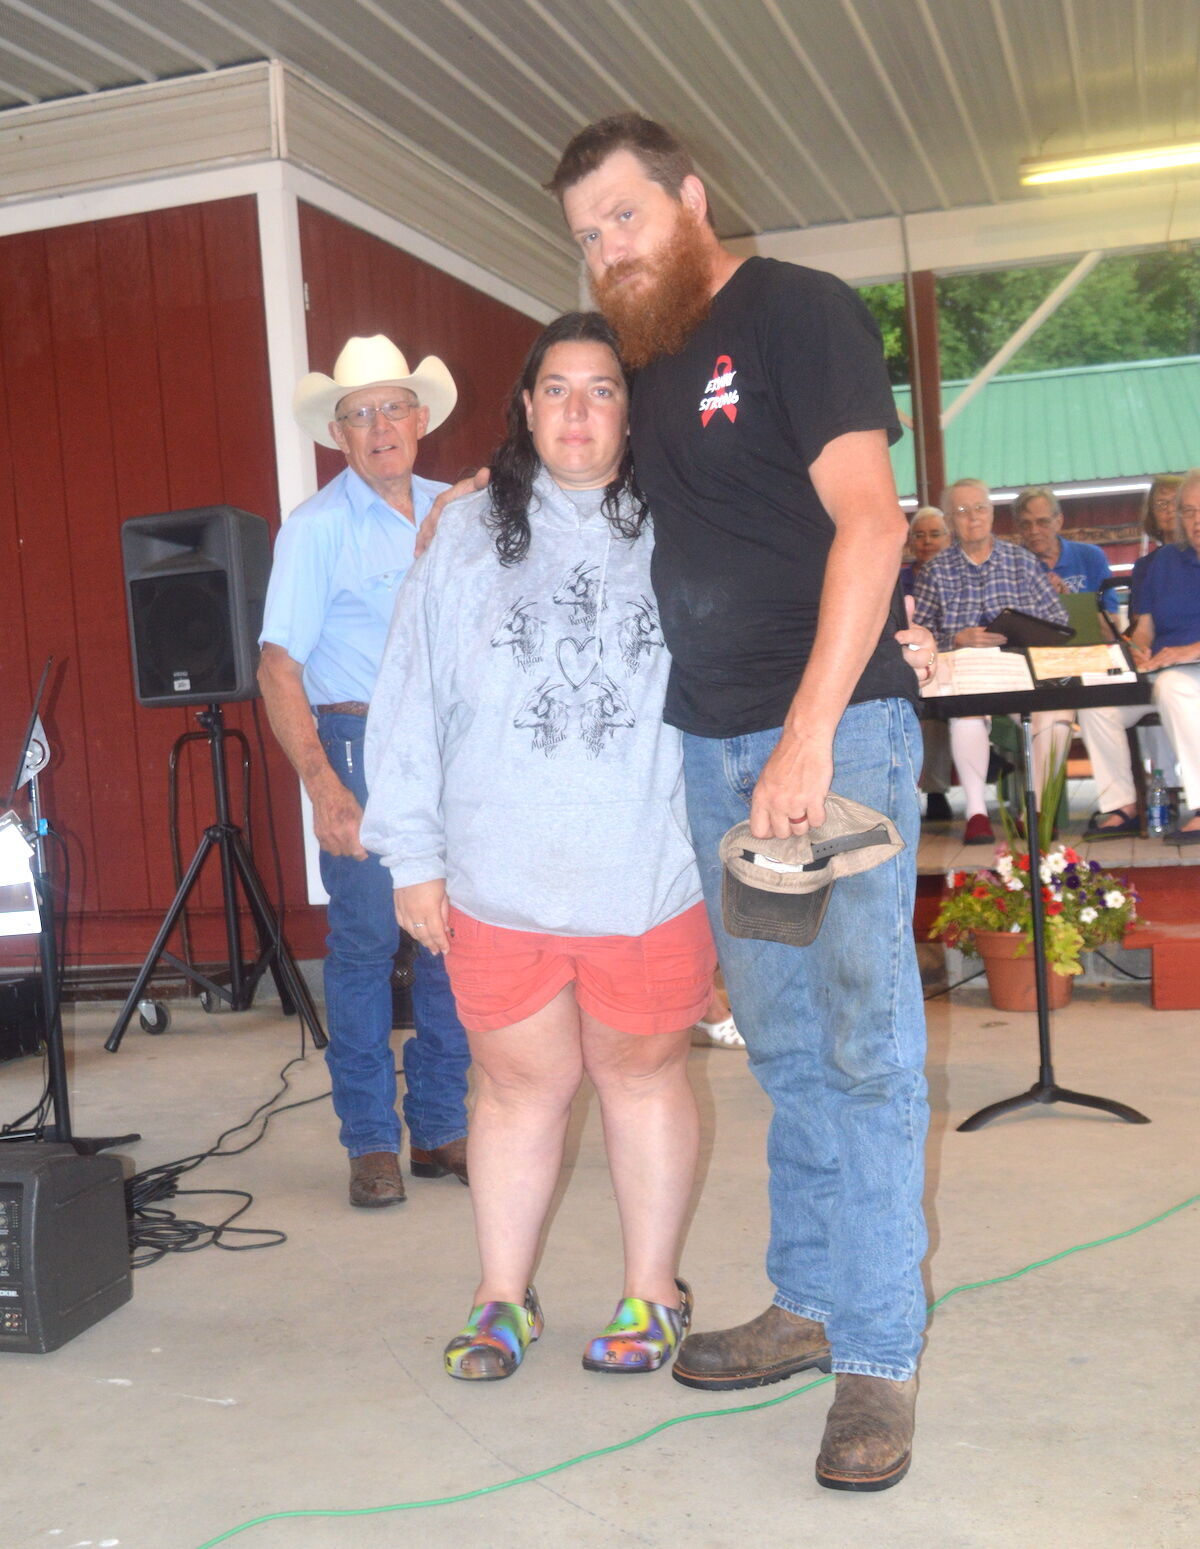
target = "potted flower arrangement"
x: 991, y: 912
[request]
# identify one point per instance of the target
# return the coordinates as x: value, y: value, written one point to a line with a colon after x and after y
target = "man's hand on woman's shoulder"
x: 467, y: 485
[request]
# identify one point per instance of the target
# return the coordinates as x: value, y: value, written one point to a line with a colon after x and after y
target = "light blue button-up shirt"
x: 339, y: 561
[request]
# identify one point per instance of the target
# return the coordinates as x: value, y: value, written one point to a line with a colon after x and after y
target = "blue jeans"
x: 362, y: 942
x: 836, y: 1037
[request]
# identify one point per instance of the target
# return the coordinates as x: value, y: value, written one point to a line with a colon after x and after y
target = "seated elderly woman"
x: 1166, y: 642
x: 957, y: 595
x: 528, y: 799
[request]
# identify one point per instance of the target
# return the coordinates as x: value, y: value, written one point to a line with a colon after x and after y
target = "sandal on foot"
x: 495, y: 1338
x: 721, y: 1034
x: 641, y: 1336
x: 1097, y: 829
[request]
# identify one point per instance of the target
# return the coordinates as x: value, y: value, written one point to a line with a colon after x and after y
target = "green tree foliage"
x: 1143, y: 306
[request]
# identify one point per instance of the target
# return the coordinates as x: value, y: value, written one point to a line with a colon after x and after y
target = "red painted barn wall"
x: 358, y: 284
x: 134, y: 380
x: 134, y: 363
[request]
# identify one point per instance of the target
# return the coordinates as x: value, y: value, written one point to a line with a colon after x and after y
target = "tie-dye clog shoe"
x: 495, y: 1339
x: 642, y: 1335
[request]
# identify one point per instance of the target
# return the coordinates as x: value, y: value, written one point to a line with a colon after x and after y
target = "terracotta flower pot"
x: 1011, y: 981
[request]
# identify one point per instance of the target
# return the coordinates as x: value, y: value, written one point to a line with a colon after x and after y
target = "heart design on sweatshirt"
x: 577, y: 660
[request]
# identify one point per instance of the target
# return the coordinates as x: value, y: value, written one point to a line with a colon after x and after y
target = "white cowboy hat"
x: 368, y: 363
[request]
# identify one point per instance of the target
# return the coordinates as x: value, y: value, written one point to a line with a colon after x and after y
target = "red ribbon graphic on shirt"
x: 720, y: 394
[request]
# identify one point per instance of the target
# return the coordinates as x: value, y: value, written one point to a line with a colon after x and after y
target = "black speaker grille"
x: 182, y: 623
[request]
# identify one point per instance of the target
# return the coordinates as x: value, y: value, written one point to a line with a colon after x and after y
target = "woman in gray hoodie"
x: 528, y: 799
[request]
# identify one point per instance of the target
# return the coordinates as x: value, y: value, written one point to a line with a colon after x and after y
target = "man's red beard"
x: 659, y: 316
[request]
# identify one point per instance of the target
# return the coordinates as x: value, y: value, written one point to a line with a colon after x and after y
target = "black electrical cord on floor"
x: 154, y: 1232
x: 933, y: 994
x: 1141, y: 978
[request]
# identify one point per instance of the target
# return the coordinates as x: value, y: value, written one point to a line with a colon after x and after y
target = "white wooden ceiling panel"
x: 802, y: 113
x: 850, y: 68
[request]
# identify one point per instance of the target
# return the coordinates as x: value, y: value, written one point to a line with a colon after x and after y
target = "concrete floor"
x: 1059, y: 1409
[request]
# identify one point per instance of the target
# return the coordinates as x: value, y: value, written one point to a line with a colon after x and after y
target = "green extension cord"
x: 665, y: 1425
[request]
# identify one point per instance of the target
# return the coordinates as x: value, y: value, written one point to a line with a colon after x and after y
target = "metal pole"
x: 56, y: 1060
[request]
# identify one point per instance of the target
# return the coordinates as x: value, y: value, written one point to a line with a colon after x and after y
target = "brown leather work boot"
x: 375, y: 1180
x: 868, y: 1436
x: 769, y: 1348
x: 441, y: 1161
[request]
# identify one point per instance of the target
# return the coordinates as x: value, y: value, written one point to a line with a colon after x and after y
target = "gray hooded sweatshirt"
x: 516, y: 745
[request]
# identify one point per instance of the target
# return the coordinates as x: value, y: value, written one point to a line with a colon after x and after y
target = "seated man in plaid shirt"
x: 956, y: 596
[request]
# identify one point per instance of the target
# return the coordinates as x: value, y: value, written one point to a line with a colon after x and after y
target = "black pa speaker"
x: 64, y: 1244
x: 195, y: 582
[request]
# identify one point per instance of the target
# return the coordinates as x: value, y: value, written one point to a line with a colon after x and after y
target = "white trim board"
x: 261, y: 177
x: 1022, y: 231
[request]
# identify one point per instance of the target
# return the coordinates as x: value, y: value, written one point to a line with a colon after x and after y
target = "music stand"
x: 1064, y: 694
x: 34, y: 756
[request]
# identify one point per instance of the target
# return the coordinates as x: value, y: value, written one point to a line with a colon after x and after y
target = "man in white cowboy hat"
x: 339, y: 561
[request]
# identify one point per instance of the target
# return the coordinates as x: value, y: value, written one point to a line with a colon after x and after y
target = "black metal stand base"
x: 1049, y: 1092
x: 1045, y: 1089
x: 237, y: 869
x: 84, y: 1146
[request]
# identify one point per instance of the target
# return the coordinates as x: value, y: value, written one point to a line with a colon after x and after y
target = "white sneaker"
x: 719, y: 1035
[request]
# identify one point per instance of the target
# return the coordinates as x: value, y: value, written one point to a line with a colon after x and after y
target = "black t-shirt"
x: 723, y: 437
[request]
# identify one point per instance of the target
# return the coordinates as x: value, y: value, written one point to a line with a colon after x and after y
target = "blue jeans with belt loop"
x: 836, y: 1037
x: 362, y: 942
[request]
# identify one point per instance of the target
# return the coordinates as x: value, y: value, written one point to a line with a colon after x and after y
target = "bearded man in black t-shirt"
x: 761, y: 418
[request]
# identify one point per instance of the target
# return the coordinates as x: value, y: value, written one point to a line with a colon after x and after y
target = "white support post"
x: 1026, y: 331
x: 287, y: 357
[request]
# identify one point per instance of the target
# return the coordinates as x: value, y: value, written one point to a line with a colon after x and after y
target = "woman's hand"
x: 423, y: 910
x: 978, y: 637
x: 1173, y: 656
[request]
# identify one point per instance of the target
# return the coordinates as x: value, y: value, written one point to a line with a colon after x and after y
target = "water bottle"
x: 1157, y: 814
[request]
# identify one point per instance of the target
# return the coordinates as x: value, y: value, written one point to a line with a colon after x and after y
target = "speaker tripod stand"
x: 237, y: 867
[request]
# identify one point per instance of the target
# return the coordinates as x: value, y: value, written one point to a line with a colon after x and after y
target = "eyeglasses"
x: 1188, y: 512
x: 364, y: 417
x: 980, y: 508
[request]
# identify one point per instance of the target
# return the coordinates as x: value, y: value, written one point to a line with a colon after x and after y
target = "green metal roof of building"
x: 1077, y: 425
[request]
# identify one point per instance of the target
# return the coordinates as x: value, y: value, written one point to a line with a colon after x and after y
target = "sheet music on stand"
x: 1093, y: 665
x: 995, y: 670
x: 985, y: 670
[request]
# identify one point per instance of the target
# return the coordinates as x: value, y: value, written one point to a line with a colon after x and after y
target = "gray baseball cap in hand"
x: 779, y: 889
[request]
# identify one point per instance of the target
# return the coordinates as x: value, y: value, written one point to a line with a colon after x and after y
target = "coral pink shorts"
x: 656, y: 983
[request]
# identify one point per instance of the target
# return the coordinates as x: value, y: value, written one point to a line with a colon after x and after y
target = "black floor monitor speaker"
x: 64, y: 1244
x: 22, y: 1015
x: 195, y: 582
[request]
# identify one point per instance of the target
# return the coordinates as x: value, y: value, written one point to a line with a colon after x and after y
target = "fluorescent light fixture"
x: 1002, y: 497
x: 1071, y: 169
